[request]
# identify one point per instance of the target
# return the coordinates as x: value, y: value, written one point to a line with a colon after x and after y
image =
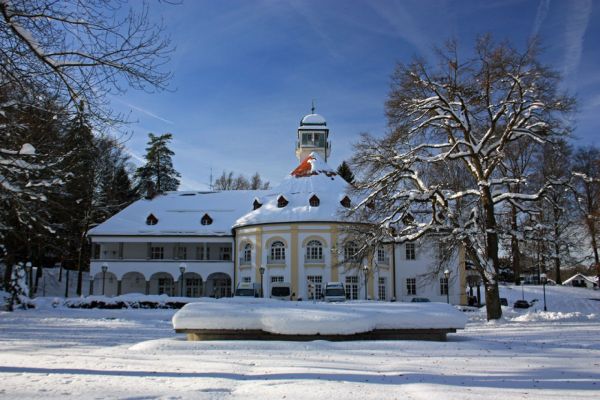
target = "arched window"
x: 206, y: 220
x: 282, y: 202
x: 278, y: 251
x: 151, y: 220
x: 314, y: 201
x: 351, y: 251
x: 346, y: 202
x: 256, y: 205
x: 314, y: 251
x: 247, y: 255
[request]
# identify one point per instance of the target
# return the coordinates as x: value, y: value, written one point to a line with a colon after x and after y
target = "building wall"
x: 427, y: 273
x: 296, y: 269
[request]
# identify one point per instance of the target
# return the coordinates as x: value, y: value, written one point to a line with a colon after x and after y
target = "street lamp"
x: 366, y: 271
x: 28, y: 277
x: 182, y: 270
x: 104, y: 269
x: 544, y: 279
x: 262, y: 273
x: 447, y: 275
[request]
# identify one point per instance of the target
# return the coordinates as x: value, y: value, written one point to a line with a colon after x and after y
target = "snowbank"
x: 305, y: 318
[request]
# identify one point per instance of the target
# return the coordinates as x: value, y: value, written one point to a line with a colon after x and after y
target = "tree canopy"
x: 439, y: 170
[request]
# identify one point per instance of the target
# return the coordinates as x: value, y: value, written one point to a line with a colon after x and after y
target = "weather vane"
x: 312, y: 109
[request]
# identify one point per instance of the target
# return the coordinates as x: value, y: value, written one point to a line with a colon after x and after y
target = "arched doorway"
x: 161, y: 283
x: 133, y: 282
x: 192, y: 285
x: 105, y: 283
x: 218, y: 285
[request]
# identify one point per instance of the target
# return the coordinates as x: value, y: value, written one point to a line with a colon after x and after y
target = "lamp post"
x: 366, y: 271
x: 28, y: 277
x: 182, y: 267
x: 447, y: 275
x: 104, y: 269
x: 522, y: 288
x: 544, y: 279
x: 262, y: 273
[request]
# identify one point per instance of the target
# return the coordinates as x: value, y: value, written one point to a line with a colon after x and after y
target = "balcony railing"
x: 383, y: 261
x: 245, y: 261
x: 313, y: 260
x: 277, y: 260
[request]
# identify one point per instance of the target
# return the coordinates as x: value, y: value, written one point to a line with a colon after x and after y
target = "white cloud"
x: 578, y: 17
x: 540, y: 16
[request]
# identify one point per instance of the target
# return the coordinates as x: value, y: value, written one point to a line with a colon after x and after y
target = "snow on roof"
x: 313, y: 119
x: 590, y: 279
x: 312, y: 177
x: 180, y: 213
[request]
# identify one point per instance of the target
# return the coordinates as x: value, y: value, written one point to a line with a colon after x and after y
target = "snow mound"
x: 553, y: 316
x: 305, y: 318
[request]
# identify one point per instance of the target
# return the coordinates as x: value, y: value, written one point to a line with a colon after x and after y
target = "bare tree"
x: 587, y: 174
x: 81, y: 50
x: 463, y: 112
x: 228, y: 181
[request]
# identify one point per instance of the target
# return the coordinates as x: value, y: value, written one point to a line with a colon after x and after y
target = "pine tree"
x: 158, y: 171
x: 345, y: 172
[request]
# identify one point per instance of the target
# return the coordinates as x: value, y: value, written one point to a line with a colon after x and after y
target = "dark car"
x: 521, y: 304
x: 503, y: 301
x: 419, y: 300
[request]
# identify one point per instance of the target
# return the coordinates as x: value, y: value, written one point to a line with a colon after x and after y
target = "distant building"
x: 206, y: 243
x: 580, y: 280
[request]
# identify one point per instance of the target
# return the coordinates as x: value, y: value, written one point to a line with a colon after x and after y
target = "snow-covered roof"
x: 312, y: 177
x: 313, y: 119
x: 180, y: 213
x: 590, y: 279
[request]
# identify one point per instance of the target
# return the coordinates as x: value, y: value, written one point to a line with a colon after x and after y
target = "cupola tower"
x: 313, y: 136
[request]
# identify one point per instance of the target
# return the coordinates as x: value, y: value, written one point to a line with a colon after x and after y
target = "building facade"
x: 206, y: 243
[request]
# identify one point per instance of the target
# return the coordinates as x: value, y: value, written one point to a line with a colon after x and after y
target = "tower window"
x: 256, y: 205
x: 151, y: 220
x: 314, y: 201
x: 206, y: 220
x: 313, y: 139
x: 282, y: 202
x: 346, y: 202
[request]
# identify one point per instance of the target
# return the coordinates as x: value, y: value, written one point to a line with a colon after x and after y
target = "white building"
x: 293, y: 233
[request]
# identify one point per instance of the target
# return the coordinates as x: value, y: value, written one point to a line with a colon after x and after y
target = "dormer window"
x: 408, y: 219
x: 206, y: 220
x: 151, y: 220
x: 282, y: 202
x: 256, y: 205
x: 346, y: 202
x: 314, y: 201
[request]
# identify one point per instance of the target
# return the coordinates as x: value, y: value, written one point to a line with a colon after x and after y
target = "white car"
x: 334, y: 291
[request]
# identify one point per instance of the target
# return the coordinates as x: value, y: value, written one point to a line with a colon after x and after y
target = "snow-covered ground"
x: 134, y: 354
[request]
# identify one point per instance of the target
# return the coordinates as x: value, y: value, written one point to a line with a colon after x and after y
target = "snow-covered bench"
x: 265, y: 319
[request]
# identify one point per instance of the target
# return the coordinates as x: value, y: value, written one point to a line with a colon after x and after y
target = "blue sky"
x: 245, y: 72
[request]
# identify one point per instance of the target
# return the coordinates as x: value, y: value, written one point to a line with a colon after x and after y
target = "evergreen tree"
x: 344, y: 171
x: 158, y: 171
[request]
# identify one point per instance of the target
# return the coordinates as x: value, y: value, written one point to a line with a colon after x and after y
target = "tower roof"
x: 312, y: 120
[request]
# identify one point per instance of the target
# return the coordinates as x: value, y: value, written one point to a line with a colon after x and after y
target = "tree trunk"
x: 514, y: 242
x: 492, y: 301
x: 557, y: 277
x: 492, y: 294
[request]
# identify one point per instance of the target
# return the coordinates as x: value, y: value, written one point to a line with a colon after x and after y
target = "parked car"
x: 334, y: 291
x: 503, y: 301
x: 245, y: 289
x: 521, y: 304
x: 420, y: 300
x: 281, y: 291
